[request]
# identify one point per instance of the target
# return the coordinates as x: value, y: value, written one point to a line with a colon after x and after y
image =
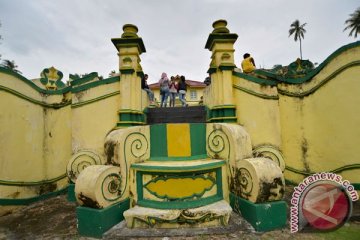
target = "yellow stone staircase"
x: 178, y: 175
x: 179, y: 185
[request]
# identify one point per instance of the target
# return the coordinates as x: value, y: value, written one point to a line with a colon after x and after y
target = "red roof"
x: 190, y: 83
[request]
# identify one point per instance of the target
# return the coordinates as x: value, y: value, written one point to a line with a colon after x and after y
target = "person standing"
x: 248, y: 64
x: 146, y: 88
x: 173, y: 91
x: 182, y: 91
x: 164, y: 89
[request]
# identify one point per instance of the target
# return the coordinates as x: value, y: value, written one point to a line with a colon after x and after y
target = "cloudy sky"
x: 75, y: 35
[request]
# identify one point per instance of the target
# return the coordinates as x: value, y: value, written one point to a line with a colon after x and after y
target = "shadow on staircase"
x: 193, y: 114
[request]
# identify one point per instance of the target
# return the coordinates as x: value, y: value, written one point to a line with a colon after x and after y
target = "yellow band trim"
x: 122, y: 122
x: 178, y: 140
x: 131, y: 111
x: 219, y: 118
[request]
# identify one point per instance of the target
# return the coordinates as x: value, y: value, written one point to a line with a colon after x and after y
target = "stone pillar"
x: 221, y: 43
x: 129, y: 47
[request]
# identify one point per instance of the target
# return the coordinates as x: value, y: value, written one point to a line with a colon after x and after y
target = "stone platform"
x: 236, y: 223
x: 215, y: 214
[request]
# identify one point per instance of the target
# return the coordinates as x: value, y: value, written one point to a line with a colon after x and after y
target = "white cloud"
x: 75, y: 35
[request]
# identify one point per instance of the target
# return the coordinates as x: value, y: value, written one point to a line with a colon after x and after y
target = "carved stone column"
x: 129, y: 47
x: 221, y: 43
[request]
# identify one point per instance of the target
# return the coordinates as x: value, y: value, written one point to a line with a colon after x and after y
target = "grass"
x: 349, y: 231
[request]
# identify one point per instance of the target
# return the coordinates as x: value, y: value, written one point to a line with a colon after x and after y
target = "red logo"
x: 326, y: 206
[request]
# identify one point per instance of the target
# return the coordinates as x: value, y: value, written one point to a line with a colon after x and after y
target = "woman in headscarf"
x: 164, y: 89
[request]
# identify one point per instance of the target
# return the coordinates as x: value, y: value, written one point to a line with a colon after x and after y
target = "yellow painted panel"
x: 178, y: 139
x: 180, y: 187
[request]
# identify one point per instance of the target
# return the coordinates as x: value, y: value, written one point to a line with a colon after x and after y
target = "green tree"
x: 353, y: 23
x: 298, y: 30
x: 10, y: 65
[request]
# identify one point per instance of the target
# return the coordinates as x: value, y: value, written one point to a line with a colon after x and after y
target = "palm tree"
x: 353, y: 23
x: 10, y: 65
x: 298, y: 31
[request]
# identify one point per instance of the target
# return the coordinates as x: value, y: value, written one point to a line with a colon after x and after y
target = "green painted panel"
x: 89, y: 85
x: 125, y: 116
x: 219, y: 182
x: 224, y: 67
x: 229, y: 112
x: 262, y: 216
x: 127, y: 71
x: 198, y: 138
x: 158, y: 140
x: 139, y: 185
x: 228, y: 120
x: 129, y: 117
x: 181, y: 203
x: 129, y: 42
x: 254, y: 79
x: 222, y: 37
x: 94, y: 222
x: 128, y: 124
x: 84, y: 79
x: 211, y: 70
x: 222, y: 113
x: 71, y: 193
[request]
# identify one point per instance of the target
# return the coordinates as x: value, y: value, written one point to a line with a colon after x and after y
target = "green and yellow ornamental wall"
x: 91, y: 137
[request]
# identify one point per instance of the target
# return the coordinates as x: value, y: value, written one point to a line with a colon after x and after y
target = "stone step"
x: 196, y: 114
x: 214, y: 214
x: 177, y: 109
x: 175, y: 119
x: 178, y: 184
x: 178, y: 166
x: 237, y: 226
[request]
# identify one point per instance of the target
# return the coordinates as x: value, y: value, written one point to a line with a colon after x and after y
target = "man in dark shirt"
x: 146, y: 88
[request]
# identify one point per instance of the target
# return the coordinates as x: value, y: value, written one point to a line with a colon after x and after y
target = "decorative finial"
x: 129, y: 37
x: 130, y: 31
x: 51, y: 78
x: 220, y: 26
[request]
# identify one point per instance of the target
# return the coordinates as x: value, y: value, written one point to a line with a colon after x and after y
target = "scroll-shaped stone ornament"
x: 258, y: 180
x: 272, y: 153
x: 81, y: 160
x: 98, y: 186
